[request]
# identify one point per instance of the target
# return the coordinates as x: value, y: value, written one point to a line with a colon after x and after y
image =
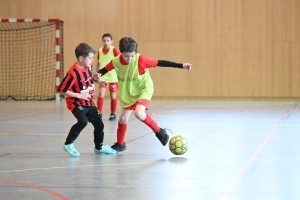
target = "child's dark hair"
x: 107, y: 35
x: 128, y: 44
x: 83, y: 50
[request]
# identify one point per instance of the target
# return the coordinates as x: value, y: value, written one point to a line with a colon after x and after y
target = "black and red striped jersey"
x: 78, y: 80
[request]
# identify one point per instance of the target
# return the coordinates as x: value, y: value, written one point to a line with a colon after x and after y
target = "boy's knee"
x: 140, y: 114
x: 123, y: 120
x: 83, y: 123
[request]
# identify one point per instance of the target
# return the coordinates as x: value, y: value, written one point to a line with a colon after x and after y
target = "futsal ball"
x: 178, y: 145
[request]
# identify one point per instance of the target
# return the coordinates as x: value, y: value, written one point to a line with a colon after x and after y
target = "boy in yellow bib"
x: 105, y: 54
x: 135, y: 88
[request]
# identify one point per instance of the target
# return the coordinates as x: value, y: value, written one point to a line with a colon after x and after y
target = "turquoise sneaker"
x: 70, y: 149
x: 105, y: 149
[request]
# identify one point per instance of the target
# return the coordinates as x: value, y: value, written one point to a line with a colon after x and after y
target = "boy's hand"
x: 85, y: 96
x: 96, y: 77
x: 187, y: 66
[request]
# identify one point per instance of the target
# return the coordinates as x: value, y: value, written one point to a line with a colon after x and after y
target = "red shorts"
x: 144, y: 102
x: 113, y: 87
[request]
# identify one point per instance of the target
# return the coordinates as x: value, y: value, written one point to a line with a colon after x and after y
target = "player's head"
x: 85, y: 55
x: 107, y: 40
x: 84, y: 50
x: 128, y: 48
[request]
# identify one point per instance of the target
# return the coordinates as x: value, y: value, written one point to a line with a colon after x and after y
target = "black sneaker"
x: 112, y: 117
x: 162, y: 136
x: 118, y: 147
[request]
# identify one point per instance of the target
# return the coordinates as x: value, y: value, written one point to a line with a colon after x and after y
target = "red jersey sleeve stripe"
x: 65, y: 84
x: 79, y: 78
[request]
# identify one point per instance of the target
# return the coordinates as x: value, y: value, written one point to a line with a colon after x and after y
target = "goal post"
x: 31, y: 52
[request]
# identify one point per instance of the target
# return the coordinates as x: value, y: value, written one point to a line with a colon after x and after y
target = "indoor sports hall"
x: 238, y: 108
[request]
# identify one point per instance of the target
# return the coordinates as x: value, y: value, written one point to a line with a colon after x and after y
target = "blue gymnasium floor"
x: 238, y: 151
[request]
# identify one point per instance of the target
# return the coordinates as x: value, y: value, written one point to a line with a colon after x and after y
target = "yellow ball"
x: 178, y: 145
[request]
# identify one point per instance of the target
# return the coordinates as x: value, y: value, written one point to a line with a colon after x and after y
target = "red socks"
x: 100, y: 102
x: 121, y: 133
x: 151, y: 123
x: 113, y: 106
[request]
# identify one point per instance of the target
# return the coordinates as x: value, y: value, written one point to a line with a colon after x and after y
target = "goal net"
x: 31, y: 58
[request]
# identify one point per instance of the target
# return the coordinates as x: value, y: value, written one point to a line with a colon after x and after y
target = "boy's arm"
x: 66, y: 84
x: 84, y: 96
x: 149, y: 63
x: 101, y: 72
x: 165, y: 63
x: 106, y: 69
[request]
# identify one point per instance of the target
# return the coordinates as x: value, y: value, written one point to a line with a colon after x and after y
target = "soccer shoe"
x: 70, y: 149
x: 162, y: 136
x: 105, y: 149
x: 112, y: 117
x: 119, y: 147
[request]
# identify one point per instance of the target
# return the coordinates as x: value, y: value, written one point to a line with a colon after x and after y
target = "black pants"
x: 85, y: 114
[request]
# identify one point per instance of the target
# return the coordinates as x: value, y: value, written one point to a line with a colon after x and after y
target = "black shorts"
x: 91, y: 112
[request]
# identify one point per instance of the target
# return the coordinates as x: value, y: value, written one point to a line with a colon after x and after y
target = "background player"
x: 105, y: 54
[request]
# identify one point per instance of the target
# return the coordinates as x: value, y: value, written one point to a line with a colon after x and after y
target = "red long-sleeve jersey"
x: 78, y: 80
